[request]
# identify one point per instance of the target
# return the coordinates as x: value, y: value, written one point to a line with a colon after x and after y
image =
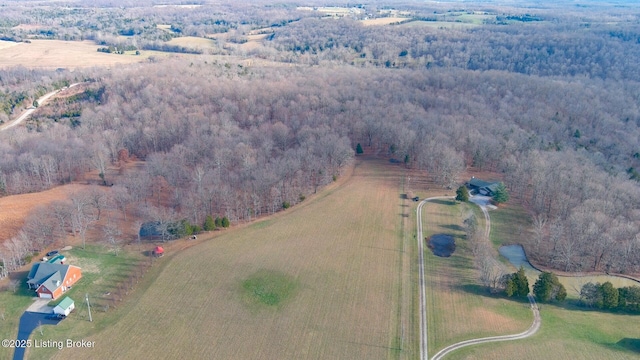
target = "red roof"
x: 158, y: 250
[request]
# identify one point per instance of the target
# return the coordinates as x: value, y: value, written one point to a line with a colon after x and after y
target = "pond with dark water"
x: 442, y: 245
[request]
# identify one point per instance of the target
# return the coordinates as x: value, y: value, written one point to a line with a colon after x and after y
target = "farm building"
x: 64, y: 307
x: 487, y: 188
x: 50, y: 280
x: 158, y: 251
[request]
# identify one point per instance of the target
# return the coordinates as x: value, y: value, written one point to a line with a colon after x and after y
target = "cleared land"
x: 62, y: 54
x: 193, y: 42
x: 440, y: 24
x: 383, y: 21
x: 343, y: 252
x: 7, y: 44
x: 458, y: 308
x: 14, y: 209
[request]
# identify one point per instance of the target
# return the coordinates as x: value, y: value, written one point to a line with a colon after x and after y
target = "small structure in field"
x: 158, y: 251
x: 64, y: 307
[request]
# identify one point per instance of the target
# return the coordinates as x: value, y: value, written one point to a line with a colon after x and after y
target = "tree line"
x: 244, y: 140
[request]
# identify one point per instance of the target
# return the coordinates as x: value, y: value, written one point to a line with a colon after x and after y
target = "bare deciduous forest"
x: 547, y: 96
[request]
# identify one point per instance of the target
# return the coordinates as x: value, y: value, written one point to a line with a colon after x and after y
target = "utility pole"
x: 88, y: 307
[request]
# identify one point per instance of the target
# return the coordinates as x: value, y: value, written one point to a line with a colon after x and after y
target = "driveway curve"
x: 532, y: 330
x: 482, y: 203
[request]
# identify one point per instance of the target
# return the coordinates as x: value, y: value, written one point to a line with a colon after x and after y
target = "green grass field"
x: 342, y: 249
x: 568, y: 331
x: 458, y: 308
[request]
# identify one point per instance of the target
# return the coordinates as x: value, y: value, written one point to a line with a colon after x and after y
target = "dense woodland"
x: 552, y: 105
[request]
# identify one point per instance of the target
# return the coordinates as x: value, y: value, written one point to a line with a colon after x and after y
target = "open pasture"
x: 383, y: 21
x: 53, y: 54
x: 340, y: 253
x: 193, y: 42
x: 14, y: 209
x: 439, y: 24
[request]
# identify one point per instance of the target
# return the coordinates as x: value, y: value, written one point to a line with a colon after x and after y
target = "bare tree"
x: 113, y: 235
x: 539, y: 225
x: 81, y: 219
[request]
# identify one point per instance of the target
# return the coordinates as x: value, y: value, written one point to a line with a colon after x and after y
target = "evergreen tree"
x: 501, y: 195
x: 522, y: 283
x: 225, y: 222
x: 609, y: 295
x: 359, y: 149
x: 548, y: 288
x: 517, y: 284
x: 462, y: 194
x: 218, y: 222
x: 209, y: 223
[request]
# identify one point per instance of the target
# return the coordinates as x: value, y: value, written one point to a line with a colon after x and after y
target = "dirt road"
x: 41, y: 101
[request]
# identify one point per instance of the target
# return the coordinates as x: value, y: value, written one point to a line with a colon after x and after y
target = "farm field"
x: 325, y: 276
x: 15, y: 209
x: 458, y: 308
x: 62, y: 54
x: 193, y: 42
x: 383, y: 21
x: 440, y: 24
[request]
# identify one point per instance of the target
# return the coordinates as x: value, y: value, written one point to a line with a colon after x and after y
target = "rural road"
x: 482, y: 203
x: 41, y: 101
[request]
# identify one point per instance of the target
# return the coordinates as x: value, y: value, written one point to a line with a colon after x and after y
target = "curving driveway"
x: 41, y: 101
x: 532, y: 330
x: 483, y: 203
x: 30, y: 321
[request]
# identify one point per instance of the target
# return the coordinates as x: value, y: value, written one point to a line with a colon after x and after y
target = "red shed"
x: 158, y: 251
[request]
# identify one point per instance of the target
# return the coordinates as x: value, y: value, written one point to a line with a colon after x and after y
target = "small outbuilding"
x: 65, y: 306
x: 158, y: 251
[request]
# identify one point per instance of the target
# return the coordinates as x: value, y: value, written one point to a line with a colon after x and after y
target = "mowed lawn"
x: 337, y: 255
x: 458, y: 308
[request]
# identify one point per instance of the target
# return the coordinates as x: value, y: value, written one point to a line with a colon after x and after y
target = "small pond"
x: 442, y: 245
x: 516, y: 256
